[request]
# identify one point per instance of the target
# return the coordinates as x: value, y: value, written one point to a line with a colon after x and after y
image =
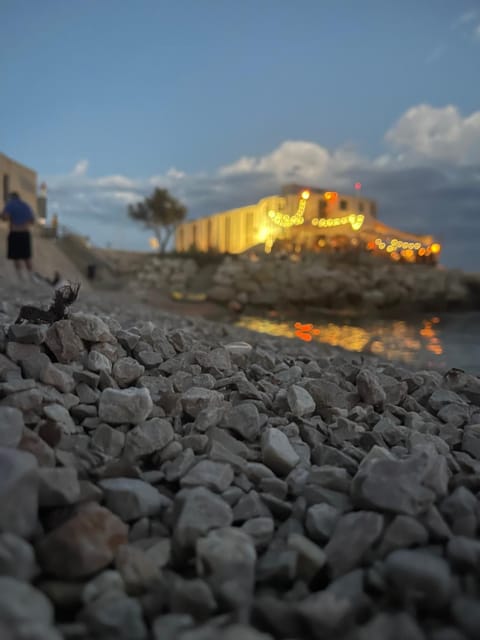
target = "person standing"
x: 19, y: 247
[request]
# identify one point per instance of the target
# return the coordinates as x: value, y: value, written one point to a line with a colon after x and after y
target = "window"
x: 343, y: 205
x: 322, y: 207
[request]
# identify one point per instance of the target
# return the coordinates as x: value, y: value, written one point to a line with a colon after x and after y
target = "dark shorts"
x: 19, y: 245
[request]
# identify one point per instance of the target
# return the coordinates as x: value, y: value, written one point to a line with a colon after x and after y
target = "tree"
x: 161, y: 213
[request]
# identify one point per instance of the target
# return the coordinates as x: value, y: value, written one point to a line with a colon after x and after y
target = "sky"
x: 223, y: 101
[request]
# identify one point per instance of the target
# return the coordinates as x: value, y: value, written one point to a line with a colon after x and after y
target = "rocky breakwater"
x: 169, y: 484
x: 369, y: 285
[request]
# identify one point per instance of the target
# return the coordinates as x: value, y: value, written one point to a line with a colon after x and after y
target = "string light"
x: 354, y: 220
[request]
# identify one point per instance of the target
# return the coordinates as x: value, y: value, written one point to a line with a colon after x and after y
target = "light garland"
x: 354, y: 220
x: 284, y: 220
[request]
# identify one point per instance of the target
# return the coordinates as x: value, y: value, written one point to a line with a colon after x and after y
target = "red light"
x: 358, y: 186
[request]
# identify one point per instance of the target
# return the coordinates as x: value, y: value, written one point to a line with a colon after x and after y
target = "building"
x: 305, y: 218
x: 17, y: 177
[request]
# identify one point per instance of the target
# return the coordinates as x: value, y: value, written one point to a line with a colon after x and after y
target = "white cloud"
x: 437, y: 134
x: 80, y: 168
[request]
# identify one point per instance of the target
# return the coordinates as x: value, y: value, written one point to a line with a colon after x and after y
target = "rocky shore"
x: 164, y: 478
x: 363, y: 284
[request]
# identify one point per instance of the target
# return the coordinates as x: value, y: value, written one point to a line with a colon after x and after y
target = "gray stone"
x: 393, y: 485
x: 126, y: 371
x: 193, y: 597
x: 32, y: 443
x: 29, y: 400
x: 227, y: 557
x: 466, y: 613
x: 56, y: 377
x: 464, y: 553
x: 198, y: 511
x: 330, y: 477
x: 310, y: 557
x: 443, y: 397
x: 120, y: 406
x: 398, y: 626
x: 403, y: 532
x: 370, y: 389
x: 27, y: 333
x: 63, y: 342
x: 471, y: 440
x: 148, y: 437
x: 131, y: 499
x: 354, y: 535
x: 21, y: 604
x: 18, y: 492
x: 250, y: 506
x: 243, y: 419
x: 419, y: 576
x: 91, y: 328
x: 196, y: 399
x: 98, y: 362
x: 114, y: 616
x: 461, y: 510
x: 108, y: 580
x: 17, y: 351
x: 326, y: 614
x: 60, y: 416
x: 34, y: 366
x: 170, y: 626
x: 277, y: 452
x: 17, y: 558
x: 216, y: 476
x: 11, y: 427
x: 58, y: 487
x: 320, y: 521
x: 300, y: 401
x: 260, y: 530
x: 108, y: 440
x: 138, y: 573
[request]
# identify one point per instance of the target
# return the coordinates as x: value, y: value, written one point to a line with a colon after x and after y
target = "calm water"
x: 440, y: 341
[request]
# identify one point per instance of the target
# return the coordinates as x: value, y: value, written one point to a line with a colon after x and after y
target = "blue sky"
x: 222, y: 100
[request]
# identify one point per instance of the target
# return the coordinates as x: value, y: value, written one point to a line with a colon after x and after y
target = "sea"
x: 438, y: 341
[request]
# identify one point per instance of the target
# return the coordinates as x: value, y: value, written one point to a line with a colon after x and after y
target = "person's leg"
x: 29, y: 264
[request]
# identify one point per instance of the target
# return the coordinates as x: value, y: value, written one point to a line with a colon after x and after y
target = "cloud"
x: 465, y: 18
x: 437, y: 134
x: 426, y: 181
x: 80, y: 168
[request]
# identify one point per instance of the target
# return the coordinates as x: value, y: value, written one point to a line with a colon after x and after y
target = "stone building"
x: 305, y: 218
x: 17, y: 177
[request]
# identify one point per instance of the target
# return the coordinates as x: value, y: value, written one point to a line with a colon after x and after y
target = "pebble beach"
x: 170, y: 478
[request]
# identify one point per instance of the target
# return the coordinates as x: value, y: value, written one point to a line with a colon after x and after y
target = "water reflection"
x: 414, y: 342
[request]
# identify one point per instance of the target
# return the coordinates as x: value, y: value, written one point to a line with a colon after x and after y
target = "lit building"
x: 305, y: 218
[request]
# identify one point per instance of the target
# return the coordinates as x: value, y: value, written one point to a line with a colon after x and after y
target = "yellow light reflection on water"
x: 395, y: 340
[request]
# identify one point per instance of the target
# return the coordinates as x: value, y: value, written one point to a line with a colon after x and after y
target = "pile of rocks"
x: 170, y: 274
x: 164, y: 482
x: 278, y: 282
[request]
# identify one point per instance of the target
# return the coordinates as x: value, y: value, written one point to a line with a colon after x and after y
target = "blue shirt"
x: 19, y: 212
